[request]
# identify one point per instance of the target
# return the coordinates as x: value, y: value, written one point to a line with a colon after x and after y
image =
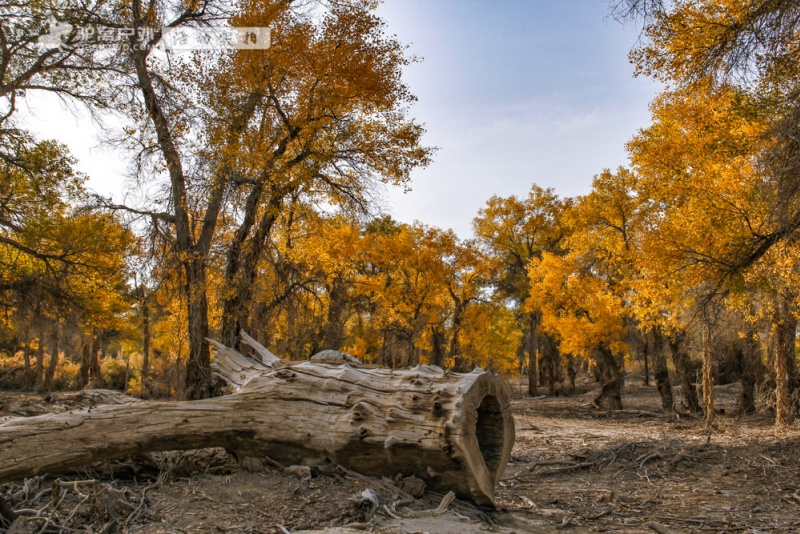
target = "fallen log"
x: 454, y: 431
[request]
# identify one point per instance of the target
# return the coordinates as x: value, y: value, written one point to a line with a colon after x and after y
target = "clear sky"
x: 512, y: 92
x: 515, y: 92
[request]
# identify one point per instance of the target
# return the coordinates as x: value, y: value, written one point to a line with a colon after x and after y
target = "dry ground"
x: 573, y: 469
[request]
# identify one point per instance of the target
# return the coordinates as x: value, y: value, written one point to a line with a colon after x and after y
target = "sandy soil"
x: 573, y: 469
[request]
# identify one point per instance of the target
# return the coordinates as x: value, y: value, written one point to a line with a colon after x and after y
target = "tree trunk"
x: 26, y: 356
x: 549, y: 364
x: 437, y: 346
x: 455, y: 431
x: 192, y: 254
x: 54, y: 349
x: 460, y: 365
x: 198, y: 374
x: 571, y: 374
x: 333, y: 329
x: 784, y: 332
x: 241, y: 265
x: 532, y: 348
x: 680, y: 358
x: 752, y: 372
x: 708, y: 376
x: 95, y: 371
x: 747, y: 398
x: 40, y: 358
x: 145, y: 346
x: 612, y: 379
x: 645, y: 357
x: 83, y: 372
x: 661, y: 372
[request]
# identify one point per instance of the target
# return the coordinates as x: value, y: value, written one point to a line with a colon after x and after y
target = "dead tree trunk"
x: 455, y: 431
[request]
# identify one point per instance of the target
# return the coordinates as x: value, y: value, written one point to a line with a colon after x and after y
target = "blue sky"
x: 513, y: 92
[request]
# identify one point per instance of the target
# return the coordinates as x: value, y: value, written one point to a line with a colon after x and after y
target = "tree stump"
x: 454, y: 431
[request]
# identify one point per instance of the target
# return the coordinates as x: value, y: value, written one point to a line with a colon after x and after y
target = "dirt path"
x: 573, y: 469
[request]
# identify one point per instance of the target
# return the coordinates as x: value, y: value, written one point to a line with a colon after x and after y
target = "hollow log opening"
x: 491, y: 432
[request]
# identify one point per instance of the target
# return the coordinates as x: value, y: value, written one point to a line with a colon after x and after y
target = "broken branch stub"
x: 454, y: 431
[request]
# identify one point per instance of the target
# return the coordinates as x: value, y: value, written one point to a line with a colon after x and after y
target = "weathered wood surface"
x: 455, y: 431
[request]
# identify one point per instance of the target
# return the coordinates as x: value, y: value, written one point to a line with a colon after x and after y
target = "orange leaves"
x: 701, y: 189
x: 324, y: 109
x: 59, y: 258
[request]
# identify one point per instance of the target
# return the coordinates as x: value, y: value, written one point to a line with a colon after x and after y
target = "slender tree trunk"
x: 54, y: 350
x: 455, y: 341
x: 532, y: 349
x: 784, y: 332
x: 750, y: 366
x: 241, y: 266
x: 550, y: 363
x: 571, y: 373
x: 661, y: 372
x: 232, y: 320
x: 680, y: 358
x: 95, y: 370
x: 192, y: 257
x: 145, y: 309
x: 86, y: 356
x: 26, y: 356
x: 708, y: 376
x: 646, y: 357
x: 40, y: 358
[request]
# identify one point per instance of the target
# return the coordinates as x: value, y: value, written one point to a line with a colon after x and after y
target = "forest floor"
x: 573, y: 469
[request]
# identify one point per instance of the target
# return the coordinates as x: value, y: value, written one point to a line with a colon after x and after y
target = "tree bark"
x: 83, y: 371
x: 752, y: 372
x: 550, y: 371
x: 661, y: 372
x: 437, y: 346
x: 192, y: 251
x: 455, y: 342
x: 145, y: 310
x: 532, y: 348
x: 455, y: 431
x: 571, y: 374
x: 784, y: 332
x: 95, y: 371
x: 54, y: 349
x: 244, y: 252
x: 40, y: 357
x: 612, y: 379
x: 680, y: 358
x: 333, y: 329
x: 26, y: 356
x: 708, y: 376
